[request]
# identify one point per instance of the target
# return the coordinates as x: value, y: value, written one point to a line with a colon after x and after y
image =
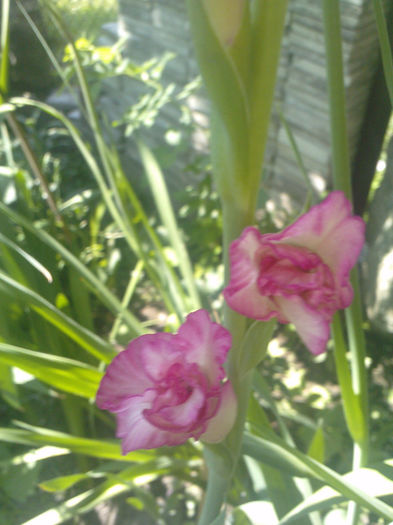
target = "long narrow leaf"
x: 119, y: 186
x: 261, y: 449
x: 29, y: 258
x: 85, y: 338
x: 37, y: 436
x: 120, y: 216
x: 60, y: 372
x: 95, y: 285
x: 122, y: 482
x: 384, y: 44
x: 163, y: 203
x: 376, y: 481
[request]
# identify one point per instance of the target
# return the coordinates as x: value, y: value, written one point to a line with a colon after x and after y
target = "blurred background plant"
x: 93, y: 253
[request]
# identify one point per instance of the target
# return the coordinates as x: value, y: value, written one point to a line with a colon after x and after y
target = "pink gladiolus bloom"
x: 167, y: 388
x: 300, y: 275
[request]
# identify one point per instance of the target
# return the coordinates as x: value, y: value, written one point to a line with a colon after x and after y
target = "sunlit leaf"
x: 376, y: 482
x: 60, y: 372
x: 62, y: 483
x: 282, y: 454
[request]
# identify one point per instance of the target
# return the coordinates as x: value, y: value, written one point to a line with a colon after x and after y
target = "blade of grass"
x: 163, y: 203
x: 86, y: 339
x: 95, y: 285
x: 117, y: 180
x: 299, y: 161
x: 65, y: 374
x: 135, y: 276
x: 117, y: 484
x: 385, y: 46
x: 120, y: 218
x: 37, y: 436
x: 29, y: 258
x: 49, y: 52
x: 376, y: 481
x: 342, y: 181
x: 303, y: 484
x: 260, y: 448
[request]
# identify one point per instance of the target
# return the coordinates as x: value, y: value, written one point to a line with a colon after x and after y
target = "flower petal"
x: 242, y: 293
x: 219, y: 425
x: 157, y: 352
x: 179, y: 418
x: 311, y: 325
x: 124, y: 377
x: 205, y: 343
x: 330, y: 230
x: 137, y: 432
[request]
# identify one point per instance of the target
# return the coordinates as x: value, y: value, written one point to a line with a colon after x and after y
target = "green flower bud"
x: 225, y: 17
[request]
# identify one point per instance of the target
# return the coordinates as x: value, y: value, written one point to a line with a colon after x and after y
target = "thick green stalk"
x: 338, y: 124
x: 240, y: 76
x: 342, y: 181
x: 384, y: 44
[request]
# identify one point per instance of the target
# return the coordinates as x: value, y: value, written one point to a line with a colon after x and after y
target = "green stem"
x: 338, y: 124
x: 217, y: 487
x: 218, y: 483
x: 384, y: 44
x: 342, y: 181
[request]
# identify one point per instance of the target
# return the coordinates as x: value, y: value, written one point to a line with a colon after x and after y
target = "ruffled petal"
x: 224, y: 419
x: 124, y: 377
x: 157, y: 353
x: 242, y: 293
x: 311, y: 325
x: 329, y: 230
x: 204, y: 343
x: 179, y: 418
x: 136, y: 432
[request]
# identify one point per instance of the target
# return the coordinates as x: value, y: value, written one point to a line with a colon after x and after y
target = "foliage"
x: 88, y: 261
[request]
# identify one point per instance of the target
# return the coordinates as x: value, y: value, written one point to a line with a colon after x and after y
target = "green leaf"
x: 281, y: 454
x: 267, y: 23
x: 8, y: 388
x: 32, y: 456
x: 62, y: 483
x: 163, y: 203
x: 220, y: 520
x: 274, y: 454
x: 255, y: 513
x: 376, y: 482
x: 19, y: 482
x: 87, y: 277
x: 316, y: 450
x: 384, y: 44
x: 254, y: 345
x: 37, y: 436
x: 117, y: 484
x: 65, y: 374
x: 228, y: 93
x: 354, y: 415
x: 220, y: 74
x: 85, y: 338
x: 29, y: 258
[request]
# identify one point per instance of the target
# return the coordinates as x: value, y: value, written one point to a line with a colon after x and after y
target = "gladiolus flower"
x: 300, y: 275
x: 166, y: 388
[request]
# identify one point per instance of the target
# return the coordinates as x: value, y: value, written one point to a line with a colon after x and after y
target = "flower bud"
x: 225, y: 17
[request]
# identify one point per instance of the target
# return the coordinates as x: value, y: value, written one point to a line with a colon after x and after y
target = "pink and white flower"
x: 166, y: 388
x: 300, y: 275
